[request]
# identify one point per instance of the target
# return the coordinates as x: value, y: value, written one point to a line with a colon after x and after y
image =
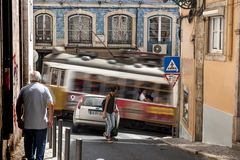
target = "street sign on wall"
x: 172, y: 78
x: 171, y: 64
x: 172, y: 69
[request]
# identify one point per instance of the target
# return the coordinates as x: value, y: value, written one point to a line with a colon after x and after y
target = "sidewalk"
x: 212, y: 152
x: 18, y: 153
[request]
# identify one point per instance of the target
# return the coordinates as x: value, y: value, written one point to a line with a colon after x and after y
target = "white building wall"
x: 217, y: 130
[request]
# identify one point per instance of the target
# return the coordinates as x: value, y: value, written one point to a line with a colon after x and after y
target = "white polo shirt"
x: 35, y: 96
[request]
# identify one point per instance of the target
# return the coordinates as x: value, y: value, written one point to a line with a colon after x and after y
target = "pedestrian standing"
x: 109, y: 113
x: 33, y: 103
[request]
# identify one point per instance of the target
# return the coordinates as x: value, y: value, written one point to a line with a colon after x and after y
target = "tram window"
x: 78, y: 81
x: 107, y: 87
x: 129, y: 82
x: 87, y: 86
x: 165, y: 87
x: 44, y: 73
x: 54, y: 76
x: 95, y: 86
x: 62, y: 78
x: 130, y: 91
x: 109, y: 82
x: 103, y: 86
x: 113, y: 80
x: 149, y: 84
x: 163, y: 98
x: 77, y: 85
x: 121, y: 91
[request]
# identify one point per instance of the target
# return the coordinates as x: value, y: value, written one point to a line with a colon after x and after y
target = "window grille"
x: 119, y: 29
x: 80, y: 29
x: 43, y: 28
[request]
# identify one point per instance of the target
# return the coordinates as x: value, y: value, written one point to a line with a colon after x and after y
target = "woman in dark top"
x: 109, y: 112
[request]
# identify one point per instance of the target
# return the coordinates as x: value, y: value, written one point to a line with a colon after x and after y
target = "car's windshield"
x: 93, y: 101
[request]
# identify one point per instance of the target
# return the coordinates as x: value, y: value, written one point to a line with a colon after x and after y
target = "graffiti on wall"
x: 15, y: 70
x: 15, y: 87
x: 185, y: 105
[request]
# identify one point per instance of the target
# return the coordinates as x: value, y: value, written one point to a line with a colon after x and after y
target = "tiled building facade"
x: 101, y: 25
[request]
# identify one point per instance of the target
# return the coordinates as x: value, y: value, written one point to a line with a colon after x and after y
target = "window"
x: 62, y: 78
x: 57, y: 76
x: 54, y: 77
x: 159, y: 29
x: 45, y: 73
x: 43, y: 28
x: 119, y: 29
x: 216, y: 34
x: 80, y: 29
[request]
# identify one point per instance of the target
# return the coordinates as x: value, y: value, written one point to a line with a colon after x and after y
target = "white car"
x: 89, y: 111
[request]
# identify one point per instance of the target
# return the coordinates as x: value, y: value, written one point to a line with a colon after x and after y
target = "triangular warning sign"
x: 172, y: 78
x: 172, y: 67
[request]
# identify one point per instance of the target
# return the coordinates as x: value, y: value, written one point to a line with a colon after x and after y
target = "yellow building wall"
x: 188, y: 73
x: 220, y: 77
x: 219, y: 85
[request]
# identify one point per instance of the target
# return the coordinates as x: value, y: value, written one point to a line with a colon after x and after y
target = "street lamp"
x: 186, y: 4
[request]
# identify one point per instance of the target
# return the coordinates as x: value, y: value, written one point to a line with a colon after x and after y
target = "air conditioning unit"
x: 159, y: 48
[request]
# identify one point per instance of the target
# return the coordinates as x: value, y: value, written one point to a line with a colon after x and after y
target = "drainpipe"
x: 236, y: 128
x: 1, y: 64
x: 230, y: 17
x: 238, y: 106
x: 178, y: 115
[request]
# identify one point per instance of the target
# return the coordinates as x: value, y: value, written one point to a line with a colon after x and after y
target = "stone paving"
x: 212, y: 152
x: 18, y: 154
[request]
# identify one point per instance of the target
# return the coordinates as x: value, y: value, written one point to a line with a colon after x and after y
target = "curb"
x: 194, y: 151
x: 210, y: 156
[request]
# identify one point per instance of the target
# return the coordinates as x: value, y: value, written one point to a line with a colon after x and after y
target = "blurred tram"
x: 69, y: 76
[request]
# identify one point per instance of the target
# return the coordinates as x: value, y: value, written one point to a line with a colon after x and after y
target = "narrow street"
x: 174, y: 63
x: 131, y: 145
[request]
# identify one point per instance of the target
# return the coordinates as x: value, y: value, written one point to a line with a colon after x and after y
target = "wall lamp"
x: 186, y: 4
x: 120, y: 3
